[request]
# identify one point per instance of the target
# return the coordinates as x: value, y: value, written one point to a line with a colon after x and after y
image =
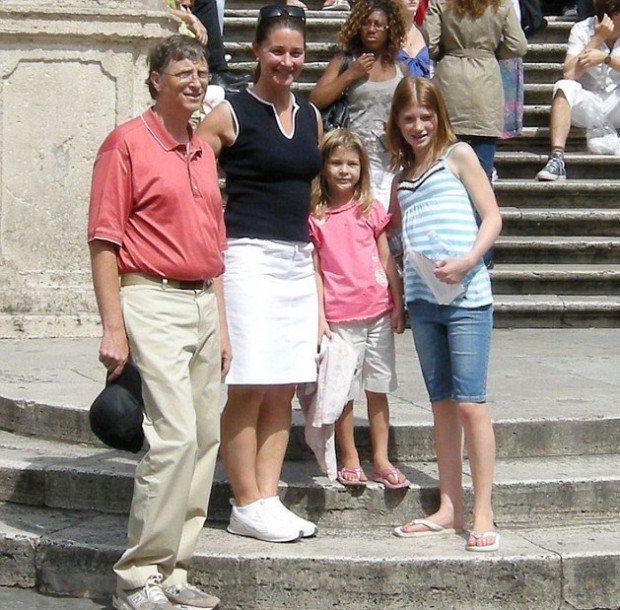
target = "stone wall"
x: 70, y: 70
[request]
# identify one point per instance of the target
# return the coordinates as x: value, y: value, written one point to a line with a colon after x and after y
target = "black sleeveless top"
x: 268, y: 174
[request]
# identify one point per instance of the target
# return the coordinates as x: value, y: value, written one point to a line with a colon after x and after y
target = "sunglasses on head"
x: 277, y: 10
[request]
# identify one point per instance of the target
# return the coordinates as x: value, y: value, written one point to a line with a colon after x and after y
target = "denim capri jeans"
x: 453, y: 345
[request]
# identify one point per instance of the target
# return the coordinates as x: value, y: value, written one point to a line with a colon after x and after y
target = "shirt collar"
x: 163, y: 137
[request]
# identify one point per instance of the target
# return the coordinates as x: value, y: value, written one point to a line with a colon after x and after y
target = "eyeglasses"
x: 373, y: 25
x: 277, y: 10
x: 187, y: 76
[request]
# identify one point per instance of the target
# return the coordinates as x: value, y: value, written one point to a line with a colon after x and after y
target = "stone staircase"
x: 557, y: 260
x: 64, y: 498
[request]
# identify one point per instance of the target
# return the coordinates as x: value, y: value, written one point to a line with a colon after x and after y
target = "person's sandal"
x: 360, y: 479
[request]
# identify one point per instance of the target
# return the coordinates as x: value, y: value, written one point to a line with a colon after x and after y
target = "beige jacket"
x: 467, y: 72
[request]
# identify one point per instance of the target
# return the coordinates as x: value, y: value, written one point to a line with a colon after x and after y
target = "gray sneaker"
x: 188, y: 596
x: 149, y: 597
x: 554, y: 170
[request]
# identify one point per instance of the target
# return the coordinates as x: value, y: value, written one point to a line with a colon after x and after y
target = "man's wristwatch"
x: 607, y: 60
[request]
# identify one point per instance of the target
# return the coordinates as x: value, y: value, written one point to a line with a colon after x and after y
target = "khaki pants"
x: 174, y: 341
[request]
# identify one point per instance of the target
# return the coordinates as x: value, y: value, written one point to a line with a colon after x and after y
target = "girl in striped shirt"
x: 448, y: 296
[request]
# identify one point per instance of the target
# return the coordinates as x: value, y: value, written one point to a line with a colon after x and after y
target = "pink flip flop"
x: 360, y: 479
x: 384, y: 476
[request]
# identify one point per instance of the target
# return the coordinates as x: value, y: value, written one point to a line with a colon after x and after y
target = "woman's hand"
x: 362, y: 66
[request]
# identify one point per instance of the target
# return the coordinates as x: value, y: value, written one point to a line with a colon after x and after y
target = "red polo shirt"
x: 159, y: 201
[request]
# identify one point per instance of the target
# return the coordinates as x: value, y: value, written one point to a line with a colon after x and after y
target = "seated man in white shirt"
x: 589, y: 94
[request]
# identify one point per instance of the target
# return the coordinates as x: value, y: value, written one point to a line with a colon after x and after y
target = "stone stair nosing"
x: 544, y: 568
x: 554, y: 221
x: 564, y: 279
x: 528, y: 491
x: 511, y: 164
x: 586, y: 194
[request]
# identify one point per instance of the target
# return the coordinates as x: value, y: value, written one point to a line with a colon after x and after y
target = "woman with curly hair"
x: 466, y: 38
x: 372, y: 36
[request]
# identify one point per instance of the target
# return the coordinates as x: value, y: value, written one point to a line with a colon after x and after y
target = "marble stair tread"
x: 579, y: 487
x: 365, y: 567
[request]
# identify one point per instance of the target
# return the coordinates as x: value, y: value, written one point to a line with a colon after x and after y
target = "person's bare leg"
x: 449, y: 450
x: 239, y: 441
x: 272, y: 434
x: 480, y: 442
x: 559, y: 122
x: 345, y: 437
x: 379, y: 424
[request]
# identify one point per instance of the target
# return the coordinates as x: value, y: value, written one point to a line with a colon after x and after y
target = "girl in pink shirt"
x: 360, y: 295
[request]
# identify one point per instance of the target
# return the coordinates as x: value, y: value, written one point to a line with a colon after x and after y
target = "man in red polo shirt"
x: 156, y: 236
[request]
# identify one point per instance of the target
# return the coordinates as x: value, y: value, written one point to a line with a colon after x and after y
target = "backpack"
x: 532, y: 18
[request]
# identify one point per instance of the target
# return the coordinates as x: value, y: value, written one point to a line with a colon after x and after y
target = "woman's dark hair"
x: 606, y: 7
x: 349, y: 37
x: 173, y: 48
x: 282, y: 20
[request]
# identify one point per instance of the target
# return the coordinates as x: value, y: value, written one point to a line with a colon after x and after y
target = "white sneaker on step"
x: 256, y: 520
x: 307, y: 528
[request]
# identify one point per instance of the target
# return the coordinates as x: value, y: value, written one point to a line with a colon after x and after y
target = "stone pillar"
x: 70, y: 71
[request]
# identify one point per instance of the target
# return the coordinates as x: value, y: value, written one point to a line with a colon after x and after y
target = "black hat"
x: 116, y: 414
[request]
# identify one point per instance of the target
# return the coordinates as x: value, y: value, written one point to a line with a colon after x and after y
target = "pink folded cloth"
x: 322, y: 402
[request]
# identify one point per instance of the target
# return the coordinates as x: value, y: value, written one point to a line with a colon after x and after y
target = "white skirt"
x: 272, y: 310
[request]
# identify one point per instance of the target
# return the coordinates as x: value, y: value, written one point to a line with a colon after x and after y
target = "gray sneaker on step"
x: 188, y: 596
x: 149, y: 597
x: 554, y: 170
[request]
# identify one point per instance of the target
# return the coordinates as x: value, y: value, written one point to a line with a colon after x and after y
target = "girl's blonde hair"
x: 349, y: 36
x: 417, y: 91
x: 350, y: 141
x: 472, y: 8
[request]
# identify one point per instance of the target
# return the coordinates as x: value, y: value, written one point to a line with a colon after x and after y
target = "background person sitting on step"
x: 589, y: 94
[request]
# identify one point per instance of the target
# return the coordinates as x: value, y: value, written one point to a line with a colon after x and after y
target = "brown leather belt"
x: 133, y: 279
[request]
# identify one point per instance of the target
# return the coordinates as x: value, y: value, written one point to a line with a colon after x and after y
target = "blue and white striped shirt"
x: 438, y: 221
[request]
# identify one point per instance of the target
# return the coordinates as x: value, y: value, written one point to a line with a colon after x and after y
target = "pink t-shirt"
x: 355, y: 285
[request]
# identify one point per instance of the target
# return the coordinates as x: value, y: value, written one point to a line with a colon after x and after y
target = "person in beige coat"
x: 465, y: 38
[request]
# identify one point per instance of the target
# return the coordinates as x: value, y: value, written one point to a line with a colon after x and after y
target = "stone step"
x: 579, y: 166
x: 574, y: 429
x: 570, y: 193
x: 564, y: 279
x: 556, y: 311
x: 535, y: 140
x: 542, y: 568
x: 542, y: 222
x: 558, y: 249
x: 527, y: 491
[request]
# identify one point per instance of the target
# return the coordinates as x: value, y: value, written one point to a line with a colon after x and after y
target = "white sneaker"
x: 149, y: 597
x: 307, y: 528
x: 255, y: 520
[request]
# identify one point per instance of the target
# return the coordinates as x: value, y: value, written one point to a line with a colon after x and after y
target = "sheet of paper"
x: 425, y: 268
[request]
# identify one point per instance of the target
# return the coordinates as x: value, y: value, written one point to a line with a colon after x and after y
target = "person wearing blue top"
x: 414, y: 55
x: 432, y: 200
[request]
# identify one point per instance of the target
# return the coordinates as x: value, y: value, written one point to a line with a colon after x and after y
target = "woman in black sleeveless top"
x: 267, y: 143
